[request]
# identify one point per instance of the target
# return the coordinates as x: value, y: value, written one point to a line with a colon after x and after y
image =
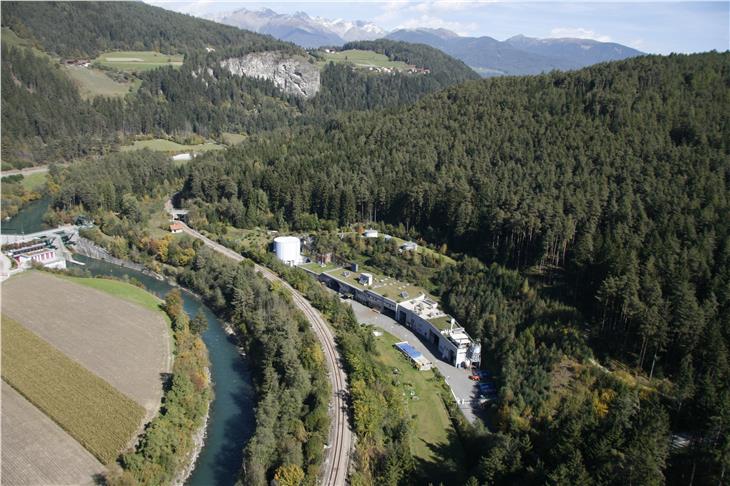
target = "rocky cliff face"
x: 292, y: 74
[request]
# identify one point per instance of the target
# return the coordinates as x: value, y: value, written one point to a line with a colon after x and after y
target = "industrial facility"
x: 407, y: 304
x: 40, y: 251
x: 288, y: 249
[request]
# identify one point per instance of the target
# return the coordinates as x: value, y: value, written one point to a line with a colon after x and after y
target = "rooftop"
x: 442, y: 322
x: 388, y: 287
x: 317, y: 268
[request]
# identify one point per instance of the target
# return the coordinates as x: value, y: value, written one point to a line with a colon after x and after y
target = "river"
x: 231, y: 420
x: 29, y: 219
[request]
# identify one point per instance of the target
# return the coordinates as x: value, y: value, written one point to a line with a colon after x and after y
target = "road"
x: 337, y: 459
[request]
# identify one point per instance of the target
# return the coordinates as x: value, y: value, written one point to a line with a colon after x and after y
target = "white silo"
x: 288, y: 249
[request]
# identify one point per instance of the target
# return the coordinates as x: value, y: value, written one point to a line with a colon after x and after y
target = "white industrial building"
x: 288, y: 249
x: 421, y: 314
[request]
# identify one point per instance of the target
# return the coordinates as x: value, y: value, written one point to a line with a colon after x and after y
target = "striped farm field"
x: 99, y: 417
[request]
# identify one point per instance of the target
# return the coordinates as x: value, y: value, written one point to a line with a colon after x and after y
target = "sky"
x: 659, y: 27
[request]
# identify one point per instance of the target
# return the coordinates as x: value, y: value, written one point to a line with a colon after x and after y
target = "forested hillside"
x: 45, y: 119
x: 608, y: 186
x: 86, y: 29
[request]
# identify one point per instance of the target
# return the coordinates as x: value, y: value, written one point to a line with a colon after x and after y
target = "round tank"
x: 287, y: 249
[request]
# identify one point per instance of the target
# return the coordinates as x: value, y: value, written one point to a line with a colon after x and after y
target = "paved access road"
x: 464, y: 390
x: 337, y: 459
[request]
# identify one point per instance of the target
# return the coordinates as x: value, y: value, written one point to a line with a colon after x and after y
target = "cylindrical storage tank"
x: 287, y: 249
x: 371, y: 233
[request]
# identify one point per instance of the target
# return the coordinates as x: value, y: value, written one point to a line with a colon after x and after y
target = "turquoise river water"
x: 231, y: 419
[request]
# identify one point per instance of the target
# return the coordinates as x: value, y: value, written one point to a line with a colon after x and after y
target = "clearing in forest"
x: 363, y: 59
x: 132, y: 61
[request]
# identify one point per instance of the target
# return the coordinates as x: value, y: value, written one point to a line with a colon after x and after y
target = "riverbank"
x: 198, y: 439
x: 217, y: 452
x: 90, y: 249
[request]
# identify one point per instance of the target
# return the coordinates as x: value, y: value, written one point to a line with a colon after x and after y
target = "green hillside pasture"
x: 162, y: 145
x: 434, y: 442
x: 93, y: 82
x: 92, y: 411
x: 132, y: 61
x: 363, y: 59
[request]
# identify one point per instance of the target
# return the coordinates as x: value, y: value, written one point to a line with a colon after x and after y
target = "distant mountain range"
x: 300, y: 28
x: 489, y: 57
x: 519, y: 54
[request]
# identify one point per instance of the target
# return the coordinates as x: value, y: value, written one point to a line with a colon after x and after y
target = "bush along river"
x: 231, y: 417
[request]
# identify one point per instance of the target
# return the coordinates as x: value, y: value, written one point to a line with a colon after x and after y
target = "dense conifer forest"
x: 609, y: 185
x: 588, y: 213
x: 45, y: 119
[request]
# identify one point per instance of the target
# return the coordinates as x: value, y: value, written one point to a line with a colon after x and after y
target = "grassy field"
x: 33, y: 182
x: 363, y: 59
x: 92, y: 411
x: 123, y: 290
x: 233, y: 138
x: 131, y: 61
x: 162, y: 145
x: 93, y: 82
x: 438, y: 452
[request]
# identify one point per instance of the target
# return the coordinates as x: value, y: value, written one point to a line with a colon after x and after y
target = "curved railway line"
x: 337, y: 458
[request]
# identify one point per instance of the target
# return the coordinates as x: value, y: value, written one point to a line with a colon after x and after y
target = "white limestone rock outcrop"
x: 291, y: 74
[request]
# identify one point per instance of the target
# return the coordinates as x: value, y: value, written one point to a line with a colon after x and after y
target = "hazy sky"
x: 656, y: 27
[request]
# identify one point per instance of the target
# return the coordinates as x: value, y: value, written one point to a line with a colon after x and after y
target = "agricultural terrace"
x: 87, y: 407
x: 362, y: 59
x: 162, y: 145
x: 131, y: 61
x: 434, y: 442
x: 112, y: 329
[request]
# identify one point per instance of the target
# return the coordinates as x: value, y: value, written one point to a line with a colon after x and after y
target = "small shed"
x: 176, y: 227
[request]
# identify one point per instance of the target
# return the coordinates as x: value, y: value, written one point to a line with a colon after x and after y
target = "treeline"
x: 45, y: 118
x: 14, y: 196
x: 292, y: 421
x: 609, y: 184
x: 348, y: 89
x: 380, y: 416
x: 168, y: 440
x: 43, y: 115
x: 86, y: 29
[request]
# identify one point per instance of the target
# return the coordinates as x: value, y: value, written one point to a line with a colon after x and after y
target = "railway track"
x: 337, y: 458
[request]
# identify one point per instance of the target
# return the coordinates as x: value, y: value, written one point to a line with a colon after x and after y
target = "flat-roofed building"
x: 410, y: 306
